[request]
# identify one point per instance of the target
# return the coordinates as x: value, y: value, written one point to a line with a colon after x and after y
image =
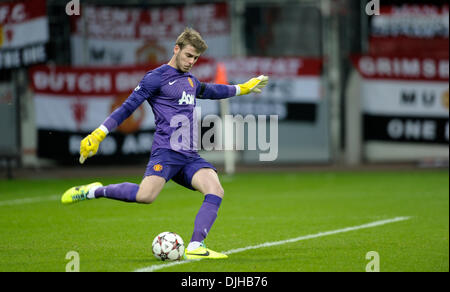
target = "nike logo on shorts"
x: 172, y: 82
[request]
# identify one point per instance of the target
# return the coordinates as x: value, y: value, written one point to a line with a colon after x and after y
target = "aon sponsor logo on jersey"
x: 186, y: 99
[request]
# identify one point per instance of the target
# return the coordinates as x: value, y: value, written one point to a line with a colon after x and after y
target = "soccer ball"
x: 168, y: 246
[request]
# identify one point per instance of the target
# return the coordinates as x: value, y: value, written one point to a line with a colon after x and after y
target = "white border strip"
x: 273, y: 243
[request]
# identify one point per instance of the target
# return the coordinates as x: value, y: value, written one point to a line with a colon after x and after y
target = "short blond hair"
x: 191, y: 37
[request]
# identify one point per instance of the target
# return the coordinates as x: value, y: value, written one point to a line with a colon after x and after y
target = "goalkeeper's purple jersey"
x: 172, y: 95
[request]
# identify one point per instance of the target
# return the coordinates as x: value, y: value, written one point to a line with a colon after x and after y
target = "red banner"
x: 402, y: 68
x: 118, y: 23
x: 23, y: 33
x: 85, y: 81
x: 279, y: 67
x: 65, y: 80
x: 410, y: 30
x: 99, y: 81
x: 16, y: 12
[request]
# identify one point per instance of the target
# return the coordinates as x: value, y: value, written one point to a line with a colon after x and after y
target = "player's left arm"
x: 221, y: 91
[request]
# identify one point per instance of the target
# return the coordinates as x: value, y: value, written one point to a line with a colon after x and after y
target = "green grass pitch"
x: 36, y: 231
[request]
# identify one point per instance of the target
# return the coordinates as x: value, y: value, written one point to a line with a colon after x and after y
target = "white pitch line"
x: 28, y: 200
x: 273, y: 243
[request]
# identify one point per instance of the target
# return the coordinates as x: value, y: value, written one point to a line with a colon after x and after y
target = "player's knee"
x: 146, y: 198
x: 218, y: 191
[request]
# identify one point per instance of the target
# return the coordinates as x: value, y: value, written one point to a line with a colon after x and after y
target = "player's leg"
x: 206, y: 181
x: 144, y: 193
x: 150, y: 188
x: 125, y: 192
x: 156, y: 175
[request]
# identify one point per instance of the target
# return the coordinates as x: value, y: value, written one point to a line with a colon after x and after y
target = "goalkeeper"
x: 171, y: 92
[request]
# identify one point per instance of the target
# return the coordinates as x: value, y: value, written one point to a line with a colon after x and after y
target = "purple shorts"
x: 172, y: 165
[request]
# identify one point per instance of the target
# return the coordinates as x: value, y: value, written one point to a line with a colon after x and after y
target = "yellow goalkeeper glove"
x: 89, y: 145
x: 254, y: 85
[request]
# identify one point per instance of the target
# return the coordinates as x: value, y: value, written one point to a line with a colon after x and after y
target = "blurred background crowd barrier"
x: 352, y: 82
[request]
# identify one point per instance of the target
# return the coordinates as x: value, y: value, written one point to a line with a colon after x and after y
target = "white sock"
x: 193, y: 245
x: 91, y: 194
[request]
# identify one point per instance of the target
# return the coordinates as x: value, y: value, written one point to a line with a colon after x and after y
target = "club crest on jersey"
x: 186, y: 99
x: 157, y: 167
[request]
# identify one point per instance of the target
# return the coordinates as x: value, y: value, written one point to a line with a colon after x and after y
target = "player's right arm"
x: 148, y: 87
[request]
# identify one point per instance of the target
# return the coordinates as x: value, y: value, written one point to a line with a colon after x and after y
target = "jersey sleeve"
x: 214, y: 91
x: 148, y: 87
